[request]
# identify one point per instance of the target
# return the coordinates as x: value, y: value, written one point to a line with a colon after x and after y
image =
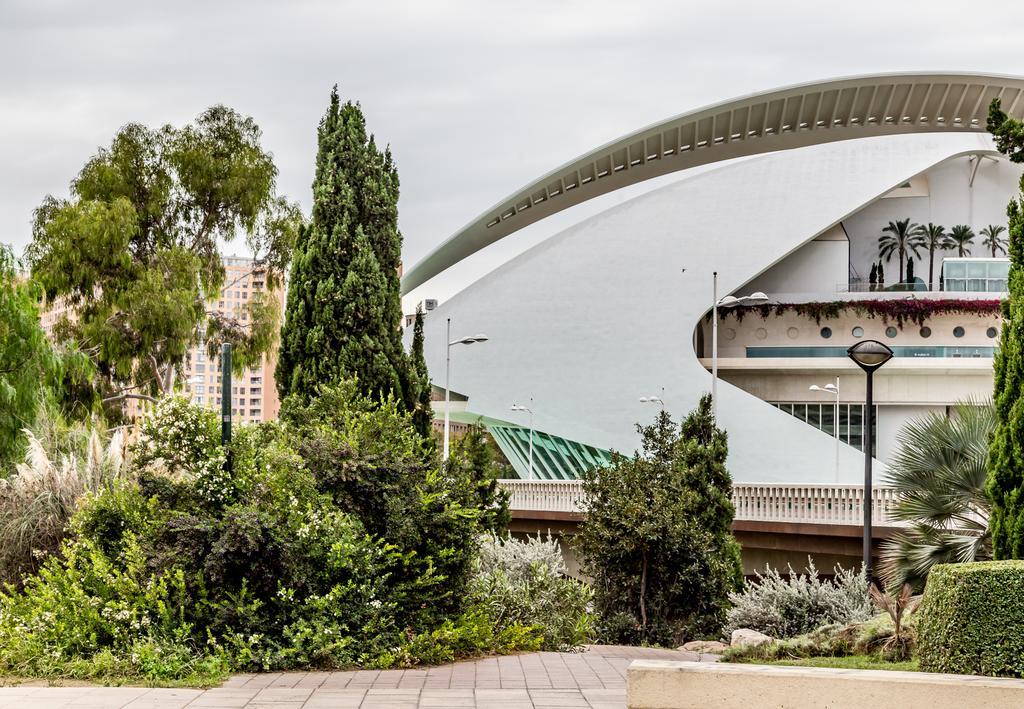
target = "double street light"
x: 448, y: 374
x: 869, y: 355
x: 529, y: 410
x: 729, y: 301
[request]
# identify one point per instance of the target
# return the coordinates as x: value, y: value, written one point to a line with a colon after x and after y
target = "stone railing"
x: 769, y: 502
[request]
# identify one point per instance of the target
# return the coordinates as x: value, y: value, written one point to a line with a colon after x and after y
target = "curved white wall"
x: 601, y: 314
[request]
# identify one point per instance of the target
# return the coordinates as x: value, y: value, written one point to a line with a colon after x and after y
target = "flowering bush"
x: 897, y: 311
x: 785, y: 608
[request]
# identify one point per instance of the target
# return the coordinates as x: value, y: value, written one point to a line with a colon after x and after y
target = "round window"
x: 826, y: 332
x: 958, y: 331
x: 991, y: 332
x: 926, y: 331
x: 760, y: 333
x: 890, y: 331
x: 792, y: 333
x: 857, y: 331
x: 728, y: 333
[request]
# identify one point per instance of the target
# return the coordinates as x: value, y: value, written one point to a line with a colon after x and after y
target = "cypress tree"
x: 343, y: 309
x: 873, y: 278
x: 423, y: 414
x: 1005, y: 483
x: 881, y: 276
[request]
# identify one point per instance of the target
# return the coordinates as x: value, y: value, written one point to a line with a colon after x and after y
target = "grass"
x: 848, y: 662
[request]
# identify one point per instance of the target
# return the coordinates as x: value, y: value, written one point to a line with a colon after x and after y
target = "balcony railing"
x: 808, y: 504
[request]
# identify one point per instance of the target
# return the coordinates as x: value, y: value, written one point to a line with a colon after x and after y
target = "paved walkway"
x: 595, y: 679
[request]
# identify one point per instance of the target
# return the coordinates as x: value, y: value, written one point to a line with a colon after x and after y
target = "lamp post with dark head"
x: 869, y: 355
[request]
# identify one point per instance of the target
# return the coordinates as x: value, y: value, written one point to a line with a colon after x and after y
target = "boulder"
x: 703, y: 646
x: 745, y: 636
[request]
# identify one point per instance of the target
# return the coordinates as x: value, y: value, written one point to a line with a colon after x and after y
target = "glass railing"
x: 799, y: 352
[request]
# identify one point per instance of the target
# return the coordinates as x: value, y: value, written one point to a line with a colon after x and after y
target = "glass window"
x: 826, y: 332
x: 890, y: 331
x: 954, y: 269
x: 977, y: 269
x: 958, y: 331
x: 926, y: 331
x: 857, y: 331
x: 991, y: 332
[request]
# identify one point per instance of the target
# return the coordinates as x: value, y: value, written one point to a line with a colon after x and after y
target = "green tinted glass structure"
x: 554, y: 458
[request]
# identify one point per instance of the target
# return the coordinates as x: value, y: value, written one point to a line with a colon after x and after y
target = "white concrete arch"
x: 793, y: 117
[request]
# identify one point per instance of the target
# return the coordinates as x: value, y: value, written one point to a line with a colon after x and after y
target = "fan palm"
x: 960, y: 237
x: 939, y: 474
x: 900, y: 237
x: 934, y: 236
x: 993, y: 239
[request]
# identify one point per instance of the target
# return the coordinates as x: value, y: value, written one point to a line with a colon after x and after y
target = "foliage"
x: 423, y: 413
x: 787, y: 607
x: 900, y: 238
x: 898, y: 646
x: 994, y: 240
x: 134, y: 251
x: 656, y: 539
x: 524, y: 582
x: 939, y: 471
x: 1005, y: 484
x: 343, y: 309
x: 899, y: 312
x: 959, y: 238
x: 37, y: 501
x: 933, y: 238
x: 971, y: 620
x: 335, y: 540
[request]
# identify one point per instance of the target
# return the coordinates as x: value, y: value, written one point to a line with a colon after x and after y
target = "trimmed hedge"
x: 971, y: 620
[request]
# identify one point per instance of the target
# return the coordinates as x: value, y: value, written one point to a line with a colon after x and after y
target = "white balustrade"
x: 767, y: 502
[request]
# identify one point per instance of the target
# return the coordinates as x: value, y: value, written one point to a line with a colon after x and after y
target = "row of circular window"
x: 958, y: 331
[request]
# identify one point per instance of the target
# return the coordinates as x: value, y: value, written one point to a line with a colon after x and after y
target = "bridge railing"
x: 768, y: 502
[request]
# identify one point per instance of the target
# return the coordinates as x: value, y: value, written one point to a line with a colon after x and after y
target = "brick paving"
x: 595, y: 679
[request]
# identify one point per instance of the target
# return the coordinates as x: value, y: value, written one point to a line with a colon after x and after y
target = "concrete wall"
x: 816, y: 267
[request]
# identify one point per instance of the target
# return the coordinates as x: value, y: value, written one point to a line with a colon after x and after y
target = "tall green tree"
x: 343, y: 310
x: 960, y: 238
x: 134, y: 251
x: 934, y: 236
x: 900, y: 238
x: 994, y: 240
x: 1005, y: 484
x: 657, y: 540
x: 423, y: 414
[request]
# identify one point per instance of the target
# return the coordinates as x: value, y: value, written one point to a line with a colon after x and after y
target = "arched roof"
x: 792, y: 117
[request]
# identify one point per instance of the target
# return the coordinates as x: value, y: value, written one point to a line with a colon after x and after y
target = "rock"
x: 703, y: 646
x: 745, y: 636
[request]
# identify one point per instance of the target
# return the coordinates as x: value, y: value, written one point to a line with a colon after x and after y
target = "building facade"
x: 796, y: 188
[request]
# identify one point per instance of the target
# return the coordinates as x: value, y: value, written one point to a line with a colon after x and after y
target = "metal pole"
x: 225, y: 401
x: 868, y: 444
x: 447, y: 382
x: 714, y: 345
x: 836, y: 426
x: 531, y: 438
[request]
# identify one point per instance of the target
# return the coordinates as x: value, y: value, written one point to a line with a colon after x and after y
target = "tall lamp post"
x: 869, y: 355
x: 834, y: 390
x: 728, y: 301
x: 448, y: 374
x: 529, y: 410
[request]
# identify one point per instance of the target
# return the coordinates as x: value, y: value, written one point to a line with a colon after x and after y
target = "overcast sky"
x: 476, y: 98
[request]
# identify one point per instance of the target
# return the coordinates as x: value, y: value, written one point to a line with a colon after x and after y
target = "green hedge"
x: 971, y: 620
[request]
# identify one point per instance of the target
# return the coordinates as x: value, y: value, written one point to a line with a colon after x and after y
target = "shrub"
x: 785, y: 608
x: 972, y: 619
x: 523, y: 582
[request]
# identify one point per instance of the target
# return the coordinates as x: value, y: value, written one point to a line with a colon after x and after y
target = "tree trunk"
x: 903, y: 262
x: 931, y: 267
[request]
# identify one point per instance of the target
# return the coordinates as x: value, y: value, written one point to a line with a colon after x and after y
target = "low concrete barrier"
x: 659, y: 684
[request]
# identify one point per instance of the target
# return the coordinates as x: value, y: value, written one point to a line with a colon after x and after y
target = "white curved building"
x: 602, y: 314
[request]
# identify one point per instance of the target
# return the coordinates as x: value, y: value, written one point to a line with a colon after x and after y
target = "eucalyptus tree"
x: 934, y: 236
x: 960, y: 238
x: 134, y: 252
x: 939, y: 472
x: 900, y: 238
x: 994, y: 240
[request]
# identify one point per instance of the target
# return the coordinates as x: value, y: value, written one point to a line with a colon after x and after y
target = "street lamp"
x: 448, y: 373
x: 655, y: 399
x: 529, y: 410
x: 834, y: 390
x: 869, y: 355
x: 729, y: 301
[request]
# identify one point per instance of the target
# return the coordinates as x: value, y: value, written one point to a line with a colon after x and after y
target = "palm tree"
x: 939, y: 474
x: 959, y: 238
x: 934, y: 237
x: 993, y: 239
x: 898, y: 238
